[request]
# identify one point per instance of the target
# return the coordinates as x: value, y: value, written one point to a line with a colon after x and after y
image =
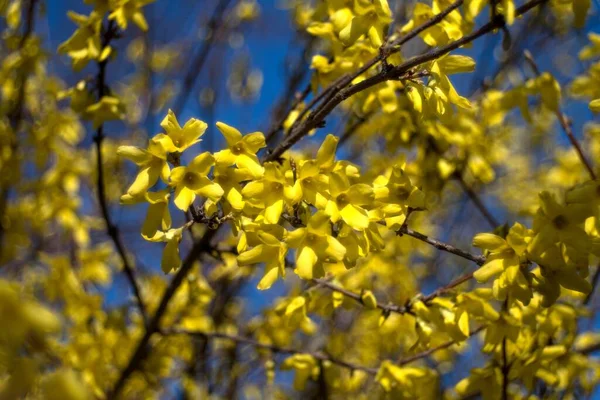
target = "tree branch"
x: 429, y: 352
x: 479, y: 260
x: 317, y: 117
x: 15, y: 115
x: 388, y: 308
x: 275, y: 349
x: 493, y: 222
x: 564, y: 122
x: 111, y: 229
x: 140, y: 353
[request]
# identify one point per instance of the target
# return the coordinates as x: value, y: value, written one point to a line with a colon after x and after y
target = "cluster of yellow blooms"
x: 335, y: 211
x: 345, y: 226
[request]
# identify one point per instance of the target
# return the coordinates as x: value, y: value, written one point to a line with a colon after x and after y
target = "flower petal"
x: 232, y: 135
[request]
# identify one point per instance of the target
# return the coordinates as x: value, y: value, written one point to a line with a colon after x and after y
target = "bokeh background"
x: 247, y: 67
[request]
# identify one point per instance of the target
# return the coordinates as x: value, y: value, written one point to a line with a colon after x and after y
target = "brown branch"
x: 273, y: 348
x: 429, y: 352
x: 493, y: 222
x: 317, y: 117
x: 111, y: 229
x: 387, y: 308
x: 564, y: 122
x: 404, y: 230
x: 141, y: 351
x: 15, y: 115
x: 316, y: 355
x: 566, y: 126
x: 450, y: 286
x: 385, y: 51
x: 288, y: 101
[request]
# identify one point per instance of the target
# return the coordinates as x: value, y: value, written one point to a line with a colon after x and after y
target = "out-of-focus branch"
x: 201, y: 56
x: 141, y: 351
x: 315, y: 354
x: 491, y: 220
x: 275, y: 349
x: 387, y: 308
x: 427, y: 353
x: 565, y: 123
x: 289, y: 101
x: 111, y: 229
x: 15, y: 115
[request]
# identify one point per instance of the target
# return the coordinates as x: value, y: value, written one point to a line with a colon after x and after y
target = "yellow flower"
x: 269, y: 249
x: 268, y: 192
x: 346, y: 201
x: 593, y: 49
x: 109, y: 108
x: 177, y: 138
x: 64, y: 384
x: 152, y: 163
x: 405, y: 382
x: 85, y: 45
x: 555, y: 223
x: 241, y: 150
x: 305, y: 366
x: 372, y: 19
x: 192, y: 180
x: 397, y: 194
x: 229, y: 179
x: 504, y: 259
x: 315, y: 246
x: 548, y: 89
x: 125, y: 10
x: 171, y: 260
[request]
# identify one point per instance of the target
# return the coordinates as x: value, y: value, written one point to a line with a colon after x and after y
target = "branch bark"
x: 111, y: 229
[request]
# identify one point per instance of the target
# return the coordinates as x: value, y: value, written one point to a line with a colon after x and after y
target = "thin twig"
x: 288, y: 101
x: 111, y: 229
x: 141, y: 351
x: 564, y: 122
x: 479, y: 260
x: 273, y: 348
x: 316, y: 355
x: 393, y: 46
x: 493, y: 222
x: 450, y: 286
x: 388, y: 308
x: 429, y: 352
x: 385, y: 51
x: 349, y: 132
x: 15, y: 115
